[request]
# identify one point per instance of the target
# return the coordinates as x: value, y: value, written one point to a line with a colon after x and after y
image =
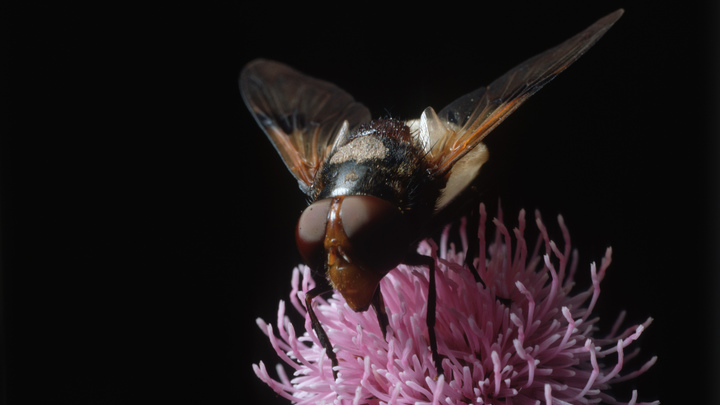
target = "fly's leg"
x: 417, y: 259
x: 379, y: 307
x: 317, y: 327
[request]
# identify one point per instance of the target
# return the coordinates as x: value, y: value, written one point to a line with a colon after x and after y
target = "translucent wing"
x: 301, y: 115
x: 460, y: 126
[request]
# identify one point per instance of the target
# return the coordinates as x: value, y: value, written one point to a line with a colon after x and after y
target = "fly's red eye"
x: 376, y: 230
x: 310, y: 232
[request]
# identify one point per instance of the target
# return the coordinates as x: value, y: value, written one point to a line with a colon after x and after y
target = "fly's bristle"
x: 384, y: 128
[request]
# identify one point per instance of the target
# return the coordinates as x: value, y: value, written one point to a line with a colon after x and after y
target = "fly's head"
x: 356, y: 240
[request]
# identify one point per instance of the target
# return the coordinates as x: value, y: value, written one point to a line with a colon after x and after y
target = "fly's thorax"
x: 382, y: 159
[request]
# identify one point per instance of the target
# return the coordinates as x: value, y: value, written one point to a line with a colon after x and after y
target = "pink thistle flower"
x: 521, y: 339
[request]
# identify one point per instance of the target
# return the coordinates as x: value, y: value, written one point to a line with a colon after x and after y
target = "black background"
x: 147, y: 222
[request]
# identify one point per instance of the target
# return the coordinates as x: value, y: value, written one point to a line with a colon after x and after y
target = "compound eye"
x: 376, y: 230
x: 310, y: 232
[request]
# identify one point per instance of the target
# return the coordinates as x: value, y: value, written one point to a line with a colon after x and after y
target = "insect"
x: 377, y: 187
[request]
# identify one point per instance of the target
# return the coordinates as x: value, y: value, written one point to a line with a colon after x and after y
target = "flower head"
x: 521, y: 337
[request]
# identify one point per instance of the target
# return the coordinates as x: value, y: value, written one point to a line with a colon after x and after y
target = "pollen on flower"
x: 523, y: 336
